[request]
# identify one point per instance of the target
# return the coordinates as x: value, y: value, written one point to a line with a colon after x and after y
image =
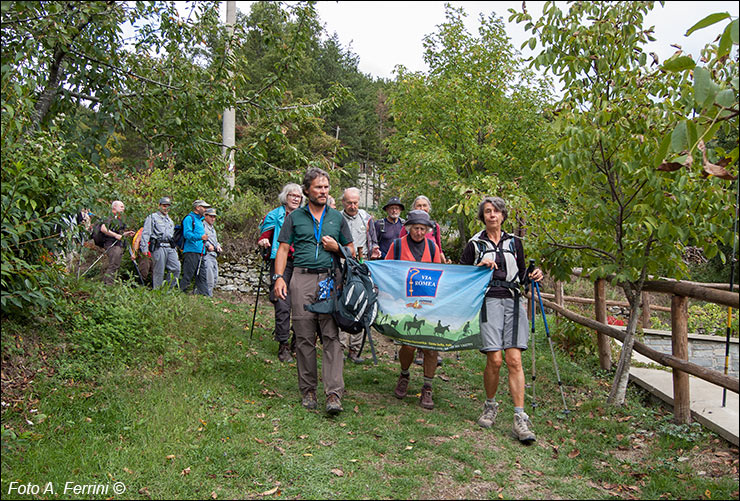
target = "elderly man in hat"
x: 388, y: 228
x: 213, y: 249
x: 194, y: 249
x: 415, y: 246
x: 156, y: 243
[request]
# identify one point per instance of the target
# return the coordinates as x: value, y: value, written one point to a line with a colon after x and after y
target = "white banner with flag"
x: 430, y: 305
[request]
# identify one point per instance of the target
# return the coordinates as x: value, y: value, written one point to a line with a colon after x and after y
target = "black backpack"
x: 98, y: 236
x: 178, y: 236
x: 354, y: 304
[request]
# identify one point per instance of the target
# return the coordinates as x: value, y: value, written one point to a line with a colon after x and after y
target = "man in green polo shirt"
x: 315, y: 232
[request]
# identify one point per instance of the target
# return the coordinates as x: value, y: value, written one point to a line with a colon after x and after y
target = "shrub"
x: 576, y: 340
x: 141, y: 191
x: 710, y: 319
x: 43, y: 180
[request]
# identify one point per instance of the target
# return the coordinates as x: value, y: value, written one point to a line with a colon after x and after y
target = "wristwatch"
x: 276, y: 276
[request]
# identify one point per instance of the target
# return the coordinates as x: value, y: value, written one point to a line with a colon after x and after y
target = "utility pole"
x: 229, y: 120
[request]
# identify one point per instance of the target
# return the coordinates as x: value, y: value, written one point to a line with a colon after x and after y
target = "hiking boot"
x: 488, y: 418
x: 333, y: 404
x: 402, y: 386
x: 309, y: 400
x: 522, y: 429
x: 426, y: 397
x: 419, y: 360
x: 352, y: 355
x: 284, y: 354
x: 439, y: 360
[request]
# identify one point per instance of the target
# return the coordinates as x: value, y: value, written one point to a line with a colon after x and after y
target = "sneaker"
x: 426, y: 397
x: 352, y: 355
x: 309, y: 400
x: 333, y: 404
x: 402, y: 387
x: 522, y: 429
x: 439, y: 360
x: 488, y: 418
x: 284, y: 354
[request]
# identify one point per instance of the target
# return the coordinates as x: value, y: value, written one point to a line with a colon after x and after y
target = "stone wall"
x: 707, y: 351
x: 242, y: 275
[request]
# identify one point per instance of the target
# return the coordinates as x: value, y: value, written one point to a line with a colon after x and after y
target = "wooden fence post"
x: 603, y: 341
x: 645, y: 312
x: 558, y: 299
x: 680, y: 349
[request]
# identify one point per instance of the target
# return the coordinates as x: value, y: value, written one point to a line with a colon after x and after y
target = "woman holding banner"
x: 503, y: 320
x: 415, y: 246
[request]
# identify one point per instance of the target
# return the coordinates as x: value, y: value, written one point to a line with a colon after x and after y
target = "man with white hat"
x: 194, y: 249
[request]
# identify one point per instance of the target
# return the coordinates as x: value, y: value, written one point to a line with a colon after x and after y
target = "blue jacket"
x: 274, y: 220
x: 193, y: 232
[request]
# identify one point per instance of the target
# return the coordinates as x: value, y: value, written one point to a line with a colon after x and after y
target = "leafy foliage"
x: 473, y: 123
x: 42, y: 182
x: 619, y: 216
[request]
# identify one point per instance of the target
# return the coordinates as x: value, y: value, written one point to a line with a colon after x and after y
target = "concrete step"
x: 705, y: 398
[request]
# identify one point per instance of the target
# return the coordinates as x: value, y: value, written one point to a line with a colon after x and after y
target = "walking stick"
x: 534, y: 360
x: 133, y: 260
x: 732, y: 278
x: 259, y: 285
x: 372, y: 345
x: 197, y: 270
x: 98, y: 259
x: 552, y: 350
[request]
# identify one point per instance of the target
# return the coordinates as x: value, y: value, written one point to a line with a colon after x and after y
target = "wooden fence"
x: 678, y: 360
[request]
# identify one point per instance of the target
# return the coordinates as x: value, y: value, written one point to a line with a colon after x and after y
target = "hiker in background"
x: 291, y: 198
x: 504, y: 254
x: 415, y: 246
x: 316, y: 232
x: 389, y: 228
x: 156, y: 243
x: 363, y: 236
x: 74, y: 230
x: 422, y: 203
x: 331, y: 202
x: 213, y: 249
x: 114, y: 229
x: 193, y: 251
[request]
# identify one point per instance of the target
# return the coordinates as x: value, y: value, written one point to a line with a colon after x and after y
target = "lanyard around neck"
x: 317, y: 229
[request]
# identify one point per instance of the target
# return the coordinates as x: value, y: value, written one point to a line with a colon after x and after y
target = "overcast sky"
x: 385, y: 34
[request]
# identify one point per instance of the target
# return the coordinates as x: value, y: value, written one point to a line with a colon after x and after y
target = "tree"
x: 473, y: 122
x: 622, y: 216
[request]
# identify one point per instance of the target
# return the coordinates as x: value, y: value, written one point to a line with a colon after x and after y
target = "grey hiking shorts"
x: 498, y: 332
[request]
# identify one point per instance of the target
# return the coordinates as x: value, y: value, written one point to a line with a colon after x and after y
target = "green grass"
x: 191, y: 408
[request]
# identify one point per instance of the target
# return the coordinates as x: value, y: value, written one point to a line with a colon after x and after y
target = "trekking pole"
x: 98, y: 259
x: 133, y: 260
x: 732, y: 278
x: 197, y: 270
x: 372, y: 345
x: 534, y: 360
x: 259, y: 285
x: 552, y: 350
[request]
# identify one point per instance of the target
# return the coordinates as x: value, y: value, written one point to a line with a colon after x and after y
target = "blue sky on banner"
x: 449, y: 293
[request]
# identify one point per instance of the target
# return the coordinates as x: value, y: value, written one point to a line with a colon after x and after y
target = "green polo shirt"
x: 300, y: 230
